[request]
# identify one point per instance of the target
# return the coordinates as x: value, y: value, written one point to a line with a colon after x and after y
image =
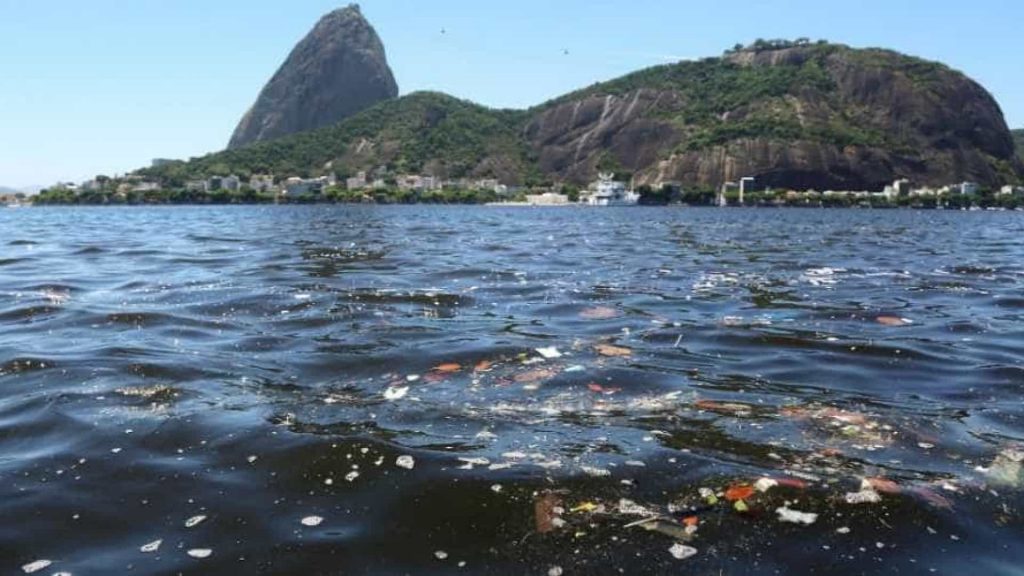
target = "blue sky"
x: 104, y: 86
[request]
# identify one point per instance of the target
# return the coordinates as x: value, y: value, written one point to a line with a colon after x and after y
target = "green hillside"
x: 1018, y: 140
x: 450, y: 137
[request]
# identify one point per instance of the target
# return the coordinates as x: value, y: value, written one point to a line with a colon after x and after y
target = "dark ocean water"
x: 210, y: 378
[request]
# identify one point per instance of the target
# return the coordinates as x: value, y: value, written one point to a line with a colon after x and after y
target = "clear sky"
x: 104, y: 86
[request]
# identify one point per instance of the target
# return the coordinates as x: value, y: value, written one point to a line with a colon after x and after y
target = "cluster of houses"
x: 902, y: 188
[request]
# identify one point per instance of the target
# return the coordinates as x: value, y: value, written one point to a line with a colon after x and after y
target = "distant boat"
x: 612, y: 193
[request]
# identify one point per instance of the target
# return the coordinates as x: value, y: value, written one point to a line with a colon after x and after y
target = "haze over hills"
x: 792, y: 114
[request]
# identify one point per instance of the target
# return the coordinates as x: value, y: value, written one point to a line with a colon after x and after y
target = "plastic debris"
x: 599, y: 313
x: 550, y: 353
x: 681, y: 551
x: 312, y: 521
x: 796, y: 517
x: 406, y: 462
x: 151, y: 547
x: 865, y: 496
x: 195, y: 521
x: 595, y: 472
x: 629, y: 508
x: 741, y: 506
x: 585, y: 507
x: 765, y: 484
x: 36, y: 566
x: 555, y: 571
x: 449, y: 368
x: 393, y: 394
x: 441, y: 555
x: 893, y: 321
x: 613, y: 351
x: 546, y: 513
x: 200, y: 553
x: 1006, y: 468
x: 739, y: 492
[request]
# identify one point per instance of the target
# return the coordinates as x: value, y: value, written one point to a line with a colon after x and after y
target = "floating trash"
x: 200, y: 553
x: 796, y: 517
x: 550, y: 353
x: 36, y: 566
x: 682, y: 552
x: 406, y: 462
x: 393, y: 394
x: 151, y: 547
x: 312, y: 521
x: 195, y: 521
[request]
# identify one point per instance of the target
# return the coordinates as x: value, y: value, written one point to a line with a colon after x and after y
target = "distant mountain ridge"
x: 338, y: 69
x: 791, y: 114
x: 1018, y: 140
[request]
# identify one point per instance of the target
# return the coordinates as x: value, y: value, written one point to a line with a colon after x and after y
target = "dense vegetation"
x: 334, y: 195
x: 714, y: 101
x: 1018, y: 140
x: 403, y: 135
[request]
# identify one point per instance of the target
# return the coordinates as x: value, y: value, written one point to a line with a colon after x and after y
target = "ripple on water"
x: 512, y: 406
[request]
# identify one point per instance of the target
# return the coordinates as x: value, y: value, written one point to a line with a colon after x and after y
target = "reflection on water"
x: 435, y: 390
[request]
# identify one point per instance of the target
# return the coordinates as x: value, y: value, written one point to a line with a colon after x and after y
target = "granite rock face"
x: 806, y: 117
x: 337, y: 70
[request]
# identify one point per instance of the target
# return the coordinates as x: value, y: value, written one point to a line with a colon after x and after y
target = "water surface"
x: 247, y: 368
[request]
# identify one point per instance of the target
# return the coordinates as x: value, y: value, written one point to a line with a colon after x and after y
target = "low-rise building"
x: 262, y: 183
x: 357, y: 182
x: 231, y: 183
x: 548, y: 199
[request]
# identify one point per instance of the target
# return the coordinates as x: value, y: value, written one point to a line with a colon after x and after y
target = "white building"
x: 968, y: 188
x: 231, y: 183
x: 358, y: 182
x: 1011, y: 191
x: 145, y: 187
x: 746, y: 186
x: 262, y: 183
x: 548, y: 199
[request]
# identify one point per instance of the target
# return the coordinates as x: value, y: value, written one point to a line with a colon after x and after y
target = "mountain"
x: 792, y: 114
x: 337, y: 70
x: 1018, y: 140
x: 8, y: 190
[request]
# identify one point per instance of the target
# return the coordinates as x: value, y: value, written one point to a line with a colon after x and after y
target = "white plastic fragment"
x: 441, y: 555
x: 351, y: 476
x: 595, y: 472
x: 251, y: 459
x: 550, y: 353
x: 865, y: 496
x: 843, y: 530
x: 406, y: 462
x: 765, y: 484
x: 681, y: 551
x: 151, y: 547
x: 393, y: 394
x: 555, y: 571
x: 796, y: 517
x: 630, y: 508
x: 36, y: 566
x: 312, y: 521
x: 194, y: 521
x: 200, y: 553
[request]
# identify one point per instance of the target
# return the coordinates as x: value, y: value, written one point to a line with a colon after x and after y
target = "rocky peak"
x: 339, y: 69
